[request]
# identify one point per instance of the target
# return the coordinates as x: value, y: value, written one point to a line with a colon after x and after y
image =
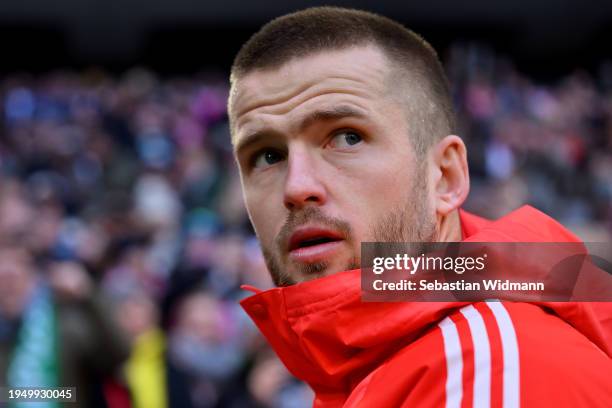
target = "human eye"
x: 265, y: 158
x: 345, y: 138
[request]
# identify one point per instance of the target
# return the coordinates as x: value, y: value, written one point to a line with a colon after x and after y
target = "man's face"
x: 326, y: 162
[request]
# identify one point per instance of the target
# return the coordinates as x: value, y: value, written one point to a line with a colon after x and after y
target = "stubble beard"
x: 295, y: 219
x: 410, y: 222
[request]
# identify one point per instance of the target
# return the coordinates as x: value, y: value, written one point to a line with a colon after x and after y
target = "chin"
x: 309, y: 272
x: 307, y: 278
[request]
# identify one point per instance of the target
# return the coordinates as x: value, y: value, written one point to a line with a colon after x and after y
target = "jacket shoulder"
x: 557, y: 363
x: 494, y: 354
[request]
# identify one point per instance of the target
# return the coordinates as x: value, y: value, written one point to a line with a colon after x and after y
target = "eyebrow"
x: 321, y: 115
x: 331, y: 114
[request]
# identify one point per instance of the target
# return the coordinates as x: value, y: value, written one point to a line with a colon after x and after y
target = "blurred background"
x: 123, y: 237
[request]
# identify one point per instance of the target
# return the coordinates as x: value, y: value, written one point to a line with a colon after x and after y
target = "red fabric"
x: 357, y: 354
x: 496, y: 354
x: 117, y: 395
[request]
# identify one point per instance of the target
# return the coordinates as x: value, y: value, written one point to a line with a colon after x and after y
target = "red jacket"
x: 498, y: 354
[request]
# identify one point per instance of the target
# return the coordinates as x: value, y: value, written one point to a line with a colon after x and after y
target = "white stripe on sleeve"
x: 454, y: 363
x: 511, y: 381
x: 482, y: 357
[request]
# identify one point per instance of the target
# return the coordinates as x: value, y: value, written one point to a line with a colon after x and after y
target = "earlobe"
x: 452, y: 182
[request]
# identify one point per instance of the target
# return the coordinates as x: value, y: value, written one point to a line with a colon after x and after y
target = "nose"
x: 303, y: 184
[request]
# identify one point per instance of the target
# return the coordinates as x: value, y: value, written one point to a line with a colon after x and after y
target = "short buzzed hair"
x: 430, y: 109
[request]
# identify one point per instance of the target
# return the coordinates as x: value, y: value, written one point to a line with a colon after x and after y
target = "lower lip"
x: 315, y: 253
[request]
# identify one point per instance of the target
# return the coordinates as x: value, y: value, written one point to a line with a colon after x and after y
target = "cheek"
x: 266, y: 215
x: 373, y: 191
x: 382, y: 180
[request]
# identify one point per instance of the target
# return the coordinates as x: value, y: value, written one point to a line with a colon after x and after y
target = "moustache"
x: 308, y: 215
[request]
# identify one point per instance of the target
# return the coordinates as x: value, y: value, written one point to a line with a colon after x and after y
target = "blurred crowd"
x: 548, y: 144
x: 124, y: 240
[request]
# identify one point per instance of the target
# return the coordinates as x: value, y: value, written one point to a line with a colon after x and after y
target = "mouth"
x: 313, y: 244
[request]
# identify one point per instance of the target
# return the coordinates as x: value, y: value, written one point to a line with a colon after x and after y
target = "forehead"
x: 359, y: 72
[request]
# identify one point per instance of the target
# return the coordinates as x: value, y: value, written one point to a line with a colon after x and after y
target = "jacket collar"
x: 328, y: 337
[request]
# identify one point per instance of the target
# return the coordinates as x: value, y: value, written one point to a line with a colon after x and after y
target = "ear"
x: 451, y: 178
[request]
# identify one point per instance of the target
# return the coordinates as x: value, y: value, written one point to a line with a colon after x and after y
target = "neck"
x: 449, y: 227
